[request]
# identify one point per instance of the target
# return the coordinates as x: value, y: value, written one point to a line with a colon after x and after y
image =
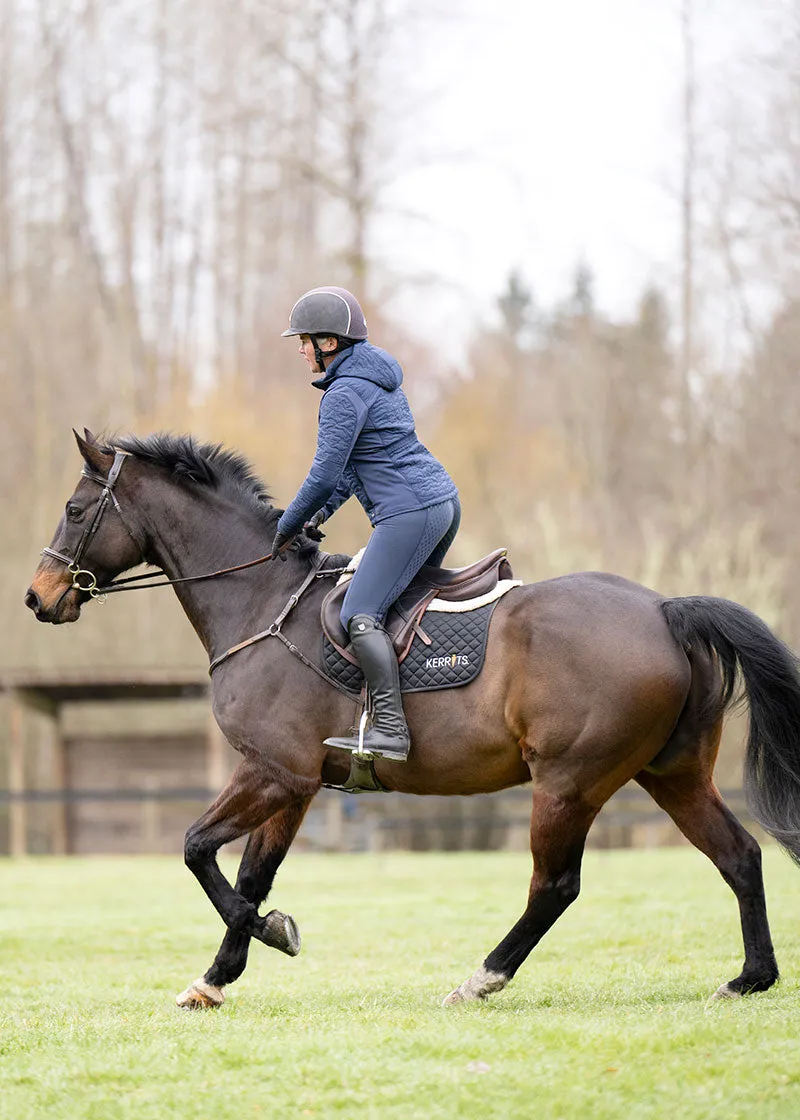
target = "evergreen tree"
x: 516, y: 308
x: 582, y: 300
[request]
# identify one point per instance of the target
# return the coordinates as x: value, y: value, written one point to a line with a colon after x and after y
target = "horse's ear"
x: 94, y: 458
x: 89, y: 436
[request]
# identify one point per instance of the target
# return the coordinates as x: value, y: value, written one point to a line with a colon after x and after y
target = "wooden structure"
x: 133, y: 782
x: 106, y: 788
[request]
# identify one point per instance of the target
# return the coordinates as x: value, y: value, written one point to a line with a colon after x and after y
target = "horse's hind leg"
x: 558, y: 836
x: 693, y: 802
x: 263, y: 855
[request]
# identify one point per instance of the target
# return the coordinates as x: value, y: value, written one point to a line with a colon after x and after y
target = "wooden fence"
x: 152, y: 820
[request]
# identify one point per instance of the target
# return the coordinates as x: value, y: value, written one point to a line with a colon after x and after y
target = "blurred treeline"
x: 172, y: 176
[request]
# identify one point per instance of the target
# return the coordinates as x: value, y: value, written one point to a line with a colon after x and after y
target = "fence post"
x: 17, y: 810
x: 150, y: 817
x: 216, y: 767
x: 60, y: 837
x: 334, y: 822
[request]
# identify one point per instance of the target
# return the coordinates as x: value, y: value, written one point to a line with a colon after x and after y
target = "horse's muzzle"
x: 54, y: 602
x: 33, y: 602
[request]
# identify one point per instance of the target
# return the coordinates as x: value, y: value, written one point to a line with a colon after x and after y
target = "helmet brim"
x: 289, y: 333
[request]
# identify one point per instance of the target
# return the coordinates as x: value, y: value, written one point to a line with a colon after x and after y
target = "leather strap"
x: 274, y: 629
x: 74, y: 562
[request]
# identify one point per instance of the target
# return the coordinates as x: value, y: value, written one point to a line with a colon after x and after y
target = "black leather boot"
x: 388, y: 737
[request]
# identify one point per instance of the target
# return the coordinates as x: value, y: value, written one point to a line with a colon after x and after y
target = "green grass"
x: 608, y: 1018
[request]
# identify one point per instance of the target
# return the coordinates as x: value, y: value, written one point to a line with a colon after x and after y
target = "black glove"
x: 280, y: 544
x: 312, y: 527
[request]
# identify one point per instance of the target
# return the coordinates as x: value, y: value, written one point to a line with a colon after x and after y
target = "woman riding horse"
x: 367, y: 446
x: 589, y: 681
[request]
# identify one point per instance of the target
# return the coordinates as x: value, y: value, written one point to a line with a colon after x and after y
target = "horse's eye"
x: 74, y: 512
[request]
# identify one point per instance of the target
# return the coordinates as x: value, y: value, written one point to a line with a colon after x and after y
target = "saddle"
x: 404, y: 617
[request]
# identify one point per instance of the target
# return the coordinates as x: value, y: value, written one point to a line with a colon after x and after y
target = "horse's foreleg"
x: 262, y: 857
x: 253, y: 796
x: 695, y: 805
x: 558, y: 835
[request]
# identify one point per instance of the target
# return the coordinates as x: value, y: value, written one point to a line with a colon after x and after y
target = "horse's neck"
x: 191, y: 535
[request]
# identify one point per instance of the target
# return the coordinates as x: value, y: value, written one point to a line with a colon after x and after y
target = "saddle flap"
x: 401, y: 622
x: 404, y: 617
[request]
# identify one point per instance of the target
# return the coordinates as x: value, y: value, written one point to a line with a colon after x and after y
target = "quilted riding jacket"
x: 366, y: 445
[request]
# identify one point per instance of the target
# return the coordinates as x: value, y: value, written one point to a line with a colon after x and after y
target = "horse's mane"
x: 205, y: 464
x: 211, y: 465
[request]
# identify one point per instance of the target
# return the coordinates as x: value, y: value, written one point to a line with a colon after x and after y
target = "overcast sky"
x: 554, y: 136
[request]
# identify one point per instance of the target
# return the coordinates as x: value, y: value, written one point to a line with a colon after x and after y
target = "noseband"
x: 82, y: 578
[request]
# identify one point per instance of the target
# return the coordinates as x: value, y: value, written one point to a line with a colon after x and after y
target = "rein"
x: 133, y: 582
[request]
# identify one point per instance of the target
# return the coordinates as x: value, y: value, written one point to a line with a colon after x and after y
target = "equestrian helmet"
x: 332, y: 312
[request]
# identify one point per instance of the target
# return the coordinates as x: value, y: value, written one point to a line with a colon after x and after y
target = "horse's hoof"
x: 279, y: 931
x: 200, y: 995
x: 725, y: 991
x: 479, y: 986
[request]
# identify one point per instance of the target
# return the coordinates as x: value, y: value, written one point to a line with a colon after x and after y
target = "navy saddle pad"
x: 454, y: 657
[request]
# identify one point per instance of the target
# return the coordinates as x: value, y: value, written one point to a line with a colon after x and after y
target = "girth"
x: 403, y: 620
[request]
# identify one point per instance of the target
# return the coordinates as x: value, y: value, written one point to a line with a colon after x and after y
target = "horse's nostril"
x: 33, y: 601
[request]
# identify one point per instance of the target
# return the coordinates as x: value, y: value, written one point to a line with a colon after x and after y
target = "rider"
x: 367, y: 446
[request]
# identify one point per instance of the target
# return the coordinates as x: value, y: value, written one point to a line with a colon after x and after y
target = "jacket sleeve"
x: 340, y: 495
x: 341, y: 417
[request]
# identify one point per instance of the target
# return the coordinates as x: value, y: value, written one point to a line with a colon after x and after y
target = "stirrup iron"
x: 362, y: 777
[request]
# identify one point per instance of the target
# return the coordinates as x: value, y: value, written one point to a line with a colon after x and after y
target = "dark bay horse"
x: 589, y: 681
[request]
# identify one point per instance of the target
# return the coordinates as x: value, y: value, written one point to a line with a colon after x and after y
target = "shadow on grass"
x: 585, y: 1000
x: 390, y: 1005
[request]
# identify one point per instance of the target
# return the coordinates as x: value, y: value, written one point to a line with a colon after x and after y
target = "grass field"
x: 607, y: 1019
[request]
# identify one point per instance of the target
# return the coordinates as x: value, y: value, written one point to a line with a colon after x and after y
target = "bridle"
x: 74, y: 562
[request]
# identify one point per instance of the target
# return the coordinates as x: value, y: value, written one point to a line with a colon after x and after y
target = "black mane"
x: 206, y: 464
x: 212, y: 465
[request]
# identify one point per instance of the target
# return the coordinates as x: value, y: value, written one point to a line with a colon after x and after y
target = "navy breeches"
x: 396, y: 551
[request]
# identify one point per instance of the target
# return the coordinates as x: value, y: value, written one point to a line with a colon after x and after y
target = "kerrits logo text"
x: 448, y: 662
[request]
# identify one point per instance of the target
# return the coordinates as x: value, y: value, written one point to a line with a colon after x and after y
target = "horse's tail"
x: 742, y: 643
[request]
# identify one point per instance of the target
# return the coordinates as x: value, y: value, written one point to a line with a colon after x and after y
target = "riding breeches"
x: 396, y: 551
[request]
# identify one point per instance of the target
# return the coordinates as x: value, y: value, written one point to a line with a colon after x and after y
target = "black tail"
x: 744, y: 644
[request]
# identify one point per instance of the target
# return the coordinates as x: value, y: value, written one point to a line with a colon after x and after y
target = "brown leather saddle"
x: 404, y: 619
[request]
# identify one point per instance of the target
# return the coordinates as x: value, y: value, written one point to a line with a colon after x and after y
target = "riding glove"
x: 280, y: 544
x: 312, y: 527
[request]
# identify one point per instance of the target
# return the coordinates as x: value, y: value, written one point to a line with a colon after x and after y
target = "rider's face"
x: 306, y: 348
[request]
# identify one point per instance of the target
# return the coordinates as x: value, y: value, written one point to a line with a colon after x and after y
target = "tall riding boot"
x: 388, y: 737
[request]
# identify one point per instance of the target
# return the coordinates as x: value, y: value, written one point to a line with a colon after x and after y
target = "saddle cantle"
x: 403, y: 620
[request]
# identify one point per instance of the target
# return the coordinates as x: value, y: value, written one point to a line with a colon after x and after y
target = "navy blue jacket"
x: 367, y: 445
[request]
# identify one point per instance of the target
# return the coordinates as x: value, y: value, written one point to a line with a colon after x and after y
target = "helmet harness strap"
x: 318, y: 354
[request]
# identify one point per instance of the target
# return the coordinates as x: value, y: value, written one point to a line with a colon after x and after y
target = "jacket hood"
x: 366, y: 361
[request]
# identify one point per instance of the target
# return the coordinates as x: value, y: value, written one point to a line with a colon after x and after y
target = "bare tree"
x: 689, y: 160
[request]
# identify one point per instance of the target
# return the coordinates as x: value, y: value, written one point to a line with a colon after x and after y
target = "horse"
x: 589, y: 681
